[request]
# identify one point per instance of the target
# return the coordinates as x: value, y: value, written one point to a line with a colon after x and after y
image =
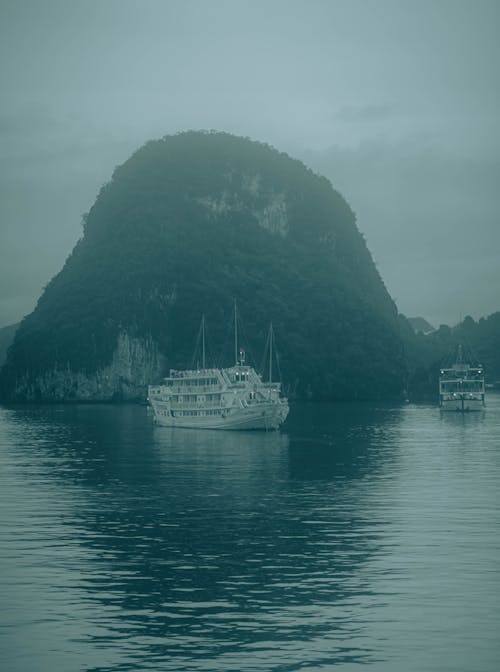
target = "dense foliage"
x: 427, y: 353
x: 176, y: 233
x: 6, y: 337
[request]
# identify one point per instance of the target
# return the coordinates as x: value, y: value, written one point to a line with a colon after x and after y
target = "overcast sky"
x: 396, y: 101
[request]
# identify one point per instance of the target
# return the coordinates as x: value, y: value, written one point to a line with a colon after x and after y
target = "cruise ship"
x: 219, y: 398
x: 461, y: 386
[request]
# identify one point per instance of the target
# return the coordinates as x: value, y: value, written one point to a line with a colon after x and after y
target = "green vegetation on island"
x: 425, y: 354
x: 187, y: 224
x: 6, y: 337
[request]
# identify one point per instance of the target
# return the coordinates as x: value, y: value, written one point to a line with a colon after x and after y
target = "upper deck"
x: 462, y: 372
x: 207, y: 381
x: 461, y: 379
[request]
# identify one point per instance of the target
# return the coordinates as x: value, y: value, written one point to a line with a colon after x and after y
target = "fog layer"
x: 396, y: 102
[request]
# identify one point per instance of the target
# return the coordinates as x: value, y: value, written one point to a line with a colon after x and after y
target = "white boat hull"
x: 459, y: 405
x: 263, y: 417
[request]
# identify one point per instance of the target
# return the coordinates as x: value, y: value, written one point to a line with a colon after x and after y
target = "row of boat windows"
x: 240, y: 377
x: 192, y: 382
x: 464, y: 386
x: 196, y: 397
x: 177, y: 414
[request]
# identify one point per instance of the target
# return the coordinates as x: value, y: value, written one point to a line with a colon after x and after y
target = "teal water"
x: 361, y: 536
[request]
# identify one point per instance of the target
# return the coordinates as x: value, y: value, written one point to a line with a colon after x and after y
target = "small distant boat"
x: 461, y: 387
x: 220, y: 398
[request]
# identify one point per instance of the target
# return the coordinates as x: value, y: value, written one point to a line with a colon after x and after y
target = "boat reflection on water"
x: 133, y: 546
x: 195, y: 545
x: 231, y: 461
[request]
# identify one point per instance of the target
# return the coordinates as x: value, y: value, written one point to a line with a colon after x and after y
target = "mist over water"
x: 396, y: 102
x: 361, y: 534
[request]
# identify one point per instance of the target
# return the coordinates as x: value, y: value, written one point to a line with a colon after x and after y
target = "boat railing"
x: 194, y: 389
x: 194, y: 373
x: 200, y: 405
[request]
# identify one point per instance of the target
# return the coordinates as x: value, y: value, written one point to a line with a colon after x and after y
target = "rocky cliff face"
x: 6, y: 337
x: 267, y: 208
x: 185, y: 226
x: 136, y: 362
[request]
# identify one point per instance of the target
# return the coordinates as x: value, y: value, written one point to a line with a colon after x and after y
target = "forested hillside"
x: 187, y: 224
x: 6, y: 337
x: 426, y: 353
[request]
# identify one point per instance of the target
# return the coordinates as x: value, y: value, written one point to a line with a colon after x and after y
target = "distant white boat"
x: 461, y: 387
x: 227, y: 398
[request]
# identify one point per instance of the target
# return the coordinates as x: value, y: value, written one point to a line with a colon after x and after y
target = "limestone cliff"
x: 135, y: 363
x: 185, y: 226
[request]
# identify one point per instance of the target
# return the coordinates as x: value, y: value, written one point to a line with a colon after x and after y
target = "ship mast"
x: 203, y: 341
x: 235, y: 334
x: 271, y: 352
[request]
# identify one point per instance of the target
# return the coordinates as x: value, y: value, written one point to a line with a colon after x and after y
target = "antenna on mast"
x: 235, y: 334
x: 203, y: 340
x: 271, y: 353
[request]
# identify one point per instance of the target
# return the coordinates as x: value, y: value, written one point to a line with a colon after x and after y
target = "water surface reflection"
x: 143, y: 547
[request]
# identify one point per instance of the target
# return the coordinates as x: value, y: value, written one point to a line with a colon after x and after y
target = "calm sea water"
x: 359, y: 536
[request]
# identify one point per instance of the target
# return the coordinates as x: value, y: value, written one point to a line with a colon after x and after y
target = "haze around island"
x: 396, y: 102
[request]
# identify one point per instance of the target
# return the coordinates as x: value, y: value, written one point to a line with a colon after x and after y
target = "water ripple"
x: 363, y: 535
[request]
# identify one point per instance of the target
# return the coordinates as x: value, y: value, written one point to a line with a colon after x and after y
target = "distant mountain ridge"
x: 186, y: 225
x: 427, y: 353
x: 420, y: 325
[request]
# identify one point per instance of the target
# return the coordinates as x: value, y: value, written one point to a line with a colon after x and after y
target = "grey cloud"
x: 406, y: 93
x: 26, y: 121
x: 431, y: 221
x: 368, y: 113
